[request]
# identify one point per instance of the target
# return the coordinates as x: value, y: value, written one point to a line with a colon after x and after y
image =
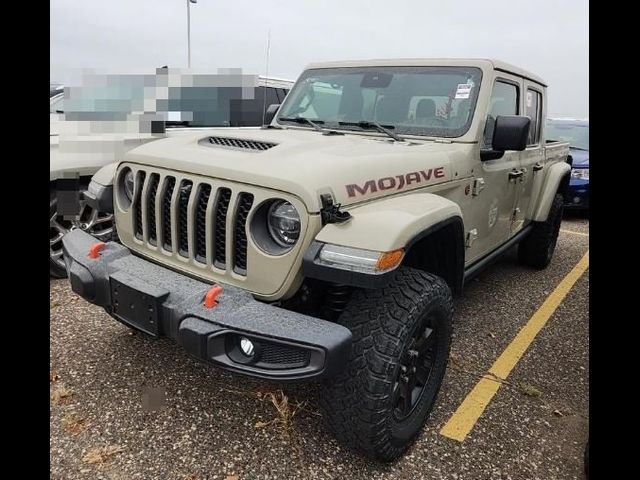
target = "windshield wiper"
x: 376, y: 126
x: 304, y: 120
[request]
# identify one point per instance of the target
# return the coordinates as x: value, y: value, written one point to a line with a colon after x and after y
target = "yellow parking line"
x: 574, y: 233
x: 469, y: 411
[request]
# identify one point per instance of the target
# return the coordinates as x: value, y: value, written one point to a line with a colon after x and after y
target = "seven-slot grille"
x: 165, y: 209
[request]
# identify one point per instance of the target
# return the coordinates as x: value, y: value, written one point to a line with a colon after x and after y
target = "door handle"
x: 515, y: 174
x: 537, y: 167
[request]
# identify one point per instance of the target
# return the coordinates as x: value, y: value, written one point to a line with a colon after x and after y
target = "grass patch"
x: 61, y: 394
x: 100, y: 455
x: 75, y: 424
x: 529, y: 390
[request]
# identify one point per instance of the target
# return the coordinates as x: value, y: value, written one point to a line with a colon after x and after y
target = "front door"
x: 495, y: 192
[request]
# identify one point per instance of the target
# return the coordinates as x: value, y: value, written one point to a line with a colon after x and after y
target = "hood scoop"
x: 236, y: 143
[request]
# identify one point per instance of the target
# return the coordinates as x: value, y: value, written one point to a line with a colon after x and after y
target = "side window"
x: 272, y: 97
x: 247, y: 112
x: 533, y: 110
x: 281, y: 94
x: 504, y: 101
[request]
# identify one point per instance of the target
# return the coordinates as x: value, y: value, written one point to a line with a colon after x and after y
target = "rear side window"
x: 281, y: 94
x: 533, y: 110
x: 272, y: 97
x: 504, y: 101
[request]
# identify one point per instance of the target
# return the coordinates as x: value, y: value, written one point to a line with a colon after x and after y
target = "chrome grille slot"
x: 245, y: 201
x: 220, y: 227
x: 137, y: 205
x: 200, y: 228
x: 165, y: 218
x: 183, y: 201
x: 154, y: 180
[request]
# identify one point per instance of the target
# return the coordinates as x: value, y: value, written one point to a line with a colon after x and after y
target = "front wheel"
x: 98, y: 224
x: 401, y: 339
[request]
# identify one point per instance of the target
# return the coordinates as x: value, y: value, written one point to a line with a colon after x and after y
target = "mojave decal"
x: 397, y: 182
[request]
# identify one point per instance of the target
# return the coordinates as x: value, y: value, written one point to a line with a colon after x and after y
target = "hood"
x: 580, y: 158
x: 55, y: 120
x: 84, y: 155
x: 77, y: 149
x: 306, y: 163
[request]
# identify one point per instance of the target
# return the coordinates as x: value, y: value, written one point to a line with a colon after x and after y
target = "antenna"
x: 264, y: 102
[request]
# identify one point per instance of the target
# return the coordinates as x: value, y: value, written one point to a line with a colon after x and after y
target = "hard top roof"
x: 415, y: 62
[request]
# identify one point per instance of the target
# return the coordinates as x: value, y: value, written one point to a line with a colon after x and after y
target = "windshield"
x: 576, y: 134
x: 430, y: 101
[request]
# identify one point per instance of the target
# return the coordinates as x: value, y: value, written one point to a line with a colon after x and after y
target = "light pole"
x: 189, y: 2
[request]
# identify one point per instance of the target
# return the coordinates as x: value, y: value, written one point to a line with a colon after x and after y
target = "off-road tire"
x: 100, y: 225
x: 536, y: 250
x: 359, y: 402
x: 55, y: 269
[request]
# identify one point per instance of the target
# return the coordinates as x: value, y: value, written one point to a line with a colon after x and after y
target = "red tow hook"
x: 96, y: 248
x: 211, y: 297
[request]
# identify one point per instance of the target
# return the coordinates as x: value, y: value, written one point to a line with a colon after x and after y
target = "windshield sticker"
x: 463, y: 90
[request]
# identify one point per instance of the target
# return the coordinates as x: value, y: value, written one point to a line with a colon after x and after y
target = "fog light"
x: 246, y: 346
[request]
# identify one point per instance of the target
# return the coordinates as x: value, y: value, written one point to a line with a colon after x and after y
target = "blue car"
x: 576, y: 132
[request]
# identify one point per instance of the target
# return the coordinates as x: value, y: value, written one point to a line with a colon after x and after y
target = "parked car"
x: 576, y: 132
x: 55, y: 89
x: 77, y: 151
x: 56, y: 100
x: 329, y: 245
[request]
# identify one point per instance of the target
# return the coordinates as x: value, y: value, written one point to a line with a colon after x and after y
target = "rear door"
x: 532, y: 159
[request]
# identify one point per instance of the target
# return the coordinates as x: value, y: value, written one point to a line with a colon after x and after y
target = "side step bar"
x: 476, y: 267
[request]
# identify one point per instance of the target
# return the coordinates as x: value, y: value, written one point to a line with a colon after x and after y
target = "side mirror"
x: 510, y: 133
x: 270, y: 113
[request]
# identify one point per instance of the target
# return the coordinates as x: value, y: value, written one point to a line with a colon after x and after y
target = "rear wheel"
x: 98, y: 224
x: 401, y: 338
x: 537, y: 249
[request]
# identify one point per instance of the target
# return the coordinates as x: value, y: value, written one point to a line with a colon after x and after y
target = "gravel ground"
x: 125, y: 406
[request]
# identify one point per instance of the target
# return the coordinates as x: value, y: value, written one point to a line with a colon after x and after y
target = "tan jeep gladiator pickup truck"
x: 328, y: 245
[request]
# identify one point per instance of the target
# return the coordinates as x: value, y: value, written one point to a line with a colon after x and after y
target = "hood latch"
x: 330, y: 211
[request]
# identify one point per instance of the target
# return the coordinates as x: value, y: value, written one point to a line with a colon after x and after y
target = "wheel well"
x: 83, y: 180
x: 440, y: 250
x: 564, y: 183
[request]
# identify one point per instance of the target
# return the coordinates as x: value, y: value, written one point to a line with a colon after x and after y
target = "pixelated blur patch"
x: 150, y: 101
x: 153, y: 399
x: 68, y: 197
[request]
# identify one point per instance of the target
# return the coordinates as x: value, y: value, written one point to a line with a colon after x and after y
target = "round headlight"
x: 284, y: 223
x: 128, y: 184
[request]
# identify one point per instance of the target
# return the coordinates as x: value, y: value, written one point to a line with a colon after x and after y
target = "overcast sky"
x: 547, y: 37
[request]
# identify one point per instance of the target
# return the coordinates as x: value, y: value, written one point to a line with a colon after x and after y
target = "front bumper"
x: 162, y: 302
